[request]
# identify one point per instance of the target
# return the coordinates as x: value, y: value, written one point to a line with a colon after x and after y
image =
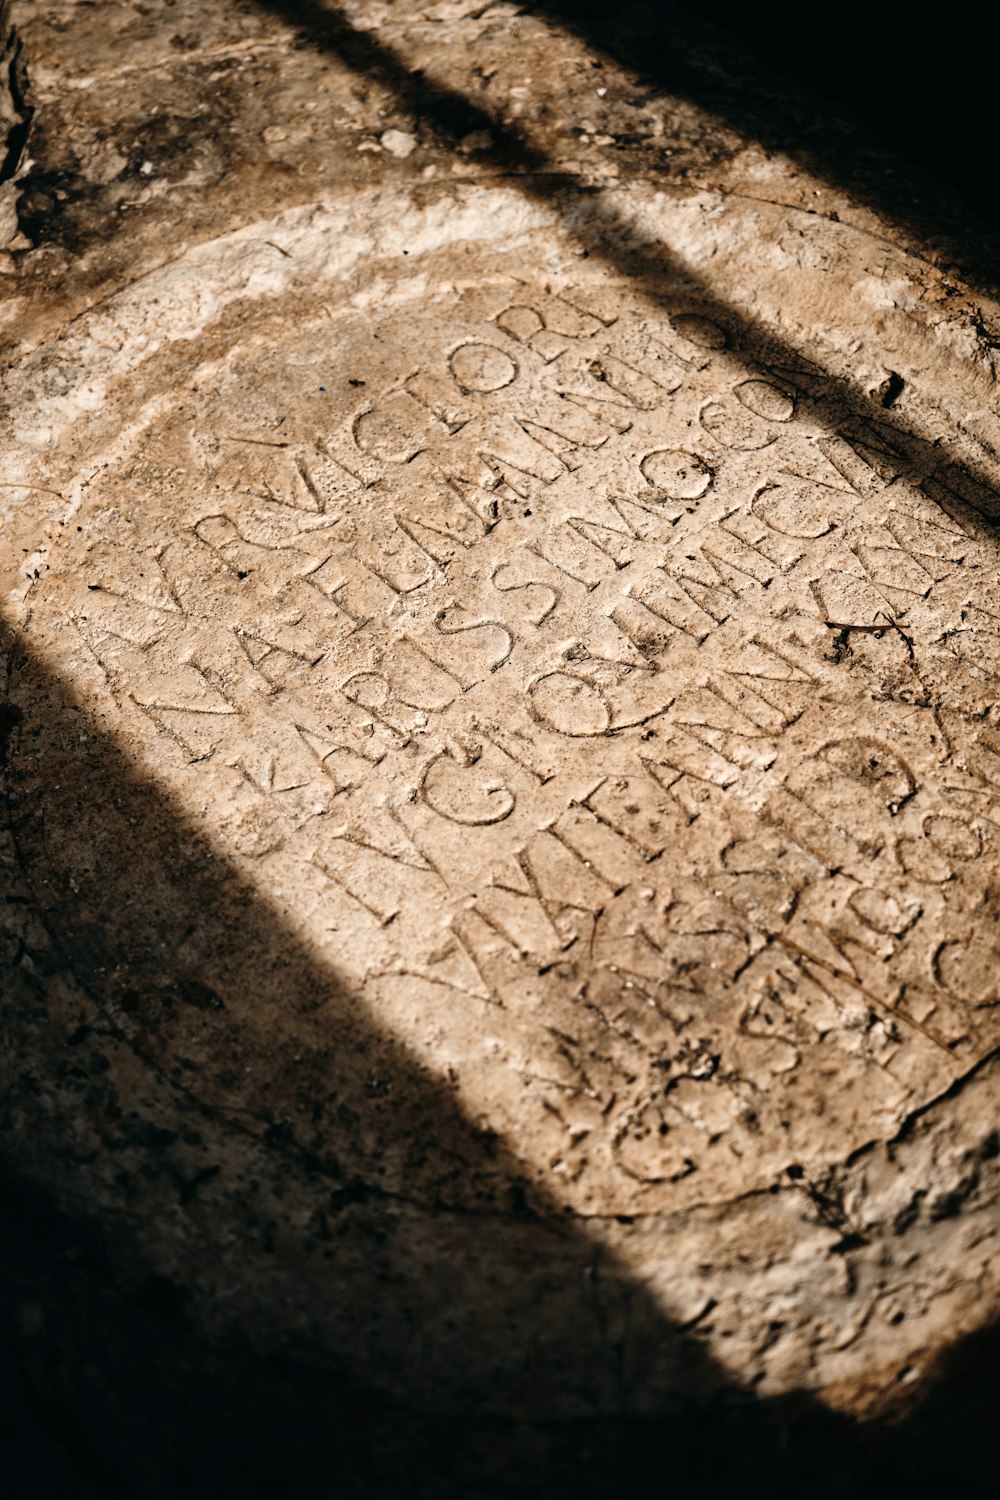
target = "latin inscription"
x: 588, y: 675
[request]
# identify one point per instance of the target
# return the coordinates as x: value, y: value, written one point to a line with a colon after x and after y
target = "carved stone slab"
x: 568, y: 624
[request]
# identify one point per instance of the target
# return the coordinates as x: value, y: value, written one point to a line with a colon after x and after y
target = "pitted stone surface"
x: 589, y: 690
x: 589, y: 661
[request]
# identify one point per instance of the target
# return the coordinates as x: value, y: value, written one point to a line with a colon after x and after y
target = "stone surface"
x: 503, y: 753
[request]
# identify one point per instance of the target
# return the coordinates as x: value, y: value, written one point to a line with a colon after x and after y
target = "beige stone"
x: 506, y: 758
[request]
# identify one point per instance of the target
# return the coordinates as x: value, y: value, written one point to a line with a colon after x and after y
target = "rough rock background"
x: 212, y: 1286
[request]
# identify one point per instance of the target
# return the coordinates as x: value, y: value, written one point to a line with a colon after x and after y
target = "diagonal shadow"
x: 867, y: 64
x: 451, y: 117
x: 884, y: 75
x: 410, y: 1320
x: 288, y: 1257
x: 363, y: 1257
x: 671, y: 55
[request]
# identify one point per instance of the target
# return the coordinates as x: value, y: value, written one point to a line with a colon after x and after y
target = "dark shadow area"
x: 916, y: 87
x: 13, y: 81
x: 836, y: 109
x: 284, y: 1255
x: 663, y: 58
x: 278, y: 1258
x: 283, y: 1261
x: 834, y: 92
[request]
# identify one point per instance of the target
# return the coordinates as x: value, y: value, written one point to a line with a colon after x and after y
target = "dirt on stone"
x: 500, y: 763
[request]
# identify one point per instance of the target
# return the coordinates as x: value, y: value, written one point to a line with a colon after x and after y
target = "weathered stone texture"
x: 500, y: 581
